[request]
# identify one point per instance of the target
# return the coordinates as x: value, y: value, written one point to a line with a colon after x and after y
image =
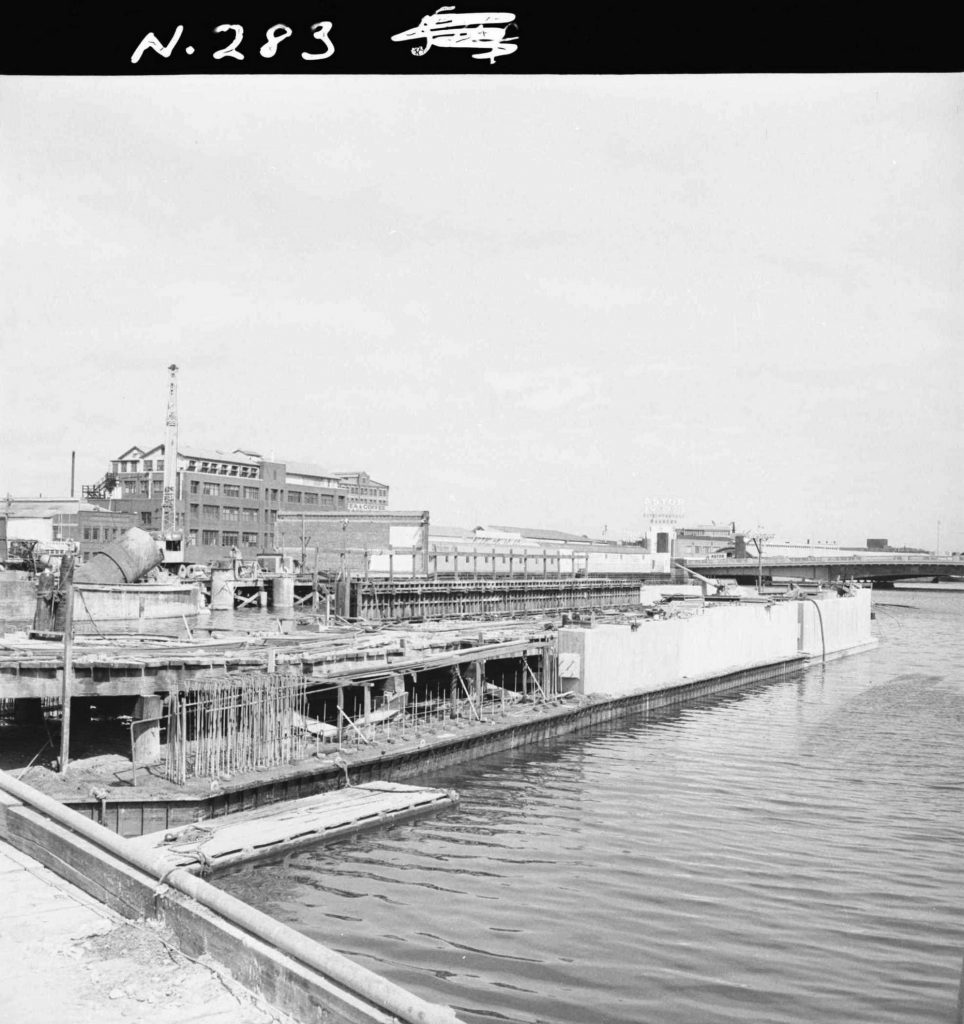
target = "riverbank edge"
x: 267, y: 957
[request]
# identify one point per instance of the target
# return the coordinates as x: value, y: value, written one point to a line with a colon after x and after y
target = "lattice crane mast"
x: 169, y: 535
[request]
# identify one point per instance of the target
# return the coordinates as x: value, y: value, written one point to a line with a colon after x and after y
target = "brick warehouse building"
x: 364, y: 494
x: 223, y: 499
x: 355, y: 541
x: 52, y: 521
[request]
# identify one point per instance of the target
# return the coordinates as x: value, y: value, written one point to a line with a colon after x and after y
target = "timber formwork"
x: 146, y: 671
x: 380, y: 599
x: 376, y: 598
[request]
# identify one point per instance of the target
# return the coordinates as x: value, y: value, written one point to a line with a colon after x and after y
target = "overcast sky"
x: 532, y: 301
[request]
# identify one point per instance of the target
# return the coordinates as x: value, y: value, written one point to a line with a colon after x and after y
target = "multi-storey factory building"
x: 364, y: 494
x: 224, y: 500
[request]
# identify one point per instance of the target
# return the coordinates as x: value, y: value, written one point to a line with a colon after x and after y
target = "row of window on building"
x: 193, y: 466
x: 228, y: 490
x: 149, y: 466
x: 101, y: 532
x: 223, y: 513
x: 227, y: 538
x: 209, y: 488
x: 221, y: 468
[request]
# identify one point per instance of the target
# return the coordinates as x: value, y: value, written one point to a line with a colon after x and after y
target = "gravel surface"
x: 67, y: 959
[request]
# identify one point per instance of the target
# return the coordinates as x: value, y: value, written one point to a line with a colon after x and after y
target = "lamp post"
x: 759, y: 538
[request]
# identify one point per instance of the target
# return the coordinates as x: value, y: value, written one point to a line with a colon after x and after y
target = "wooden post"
x: 147, y: 733
x: 66, y: 688
x: 453, y: 690
x: 341, y: 712
x: 478, y: 682
x: 368, y: 702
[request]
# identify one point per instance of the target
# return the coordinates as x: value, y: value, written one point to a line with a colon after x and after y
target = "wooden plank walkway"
x: 237, y: 838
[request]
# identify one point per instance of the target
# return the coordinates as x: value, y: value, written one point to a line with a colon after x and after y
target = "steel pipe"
x: 162, y: 867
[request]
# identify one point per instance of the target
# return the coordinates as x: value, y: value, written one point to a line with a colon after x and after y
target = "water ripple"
x: 788, y: 853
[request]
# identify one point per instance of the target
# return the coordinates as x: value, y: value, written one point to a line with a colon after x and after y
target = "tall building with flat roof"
x: 364, y: 494
x: 223, y: 499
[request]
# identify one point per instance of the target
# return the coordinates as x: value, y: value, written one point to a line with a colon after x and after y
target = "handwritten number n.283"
x: 275, y: 35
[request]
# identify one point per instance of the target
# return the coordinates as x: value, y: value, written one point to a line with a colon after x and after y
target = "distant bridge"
x: 881, y: 568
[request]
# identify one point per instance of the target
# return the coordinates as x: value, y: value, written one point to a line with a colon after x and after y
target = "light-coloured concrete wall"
x: 35, y: 528
x: 18, y: 597
x: 617, y: 659
x: 717, y: 638
x: 137, y: 601
x: 404, y: 562
x: 846, y: 622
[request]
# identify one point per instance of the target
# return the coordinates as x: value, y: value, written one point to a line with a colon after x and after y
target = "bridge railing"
x: 870, y: 558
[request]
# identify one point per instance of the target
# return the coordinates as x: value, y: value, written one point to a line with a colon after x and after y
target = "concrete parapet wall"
x: 136, y: 601
x: 18, y: 598
x: 615, y: 659
x: 846, y: 623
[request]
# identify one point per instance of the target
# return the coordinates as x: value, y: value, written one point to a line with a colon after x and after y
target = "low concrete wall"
x: 616, y: 659
x: 846, y: 623
x: 136, y: 601
x: 260, y: 952
x: 18, y: 598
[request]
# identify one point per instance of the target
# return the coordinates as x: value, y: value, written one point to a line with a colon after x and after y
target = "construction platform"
x: 141, y: 666
x: 379, y: 598
x: 276, y: 829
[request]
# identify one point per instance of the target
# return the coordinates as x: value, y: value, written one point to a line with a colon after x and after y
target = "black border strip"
x: 96, y: 38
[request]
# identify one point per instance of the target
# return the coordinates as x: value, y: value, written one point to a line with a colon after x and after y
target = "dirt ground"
x: 100, y: 758
x: 66, y: 958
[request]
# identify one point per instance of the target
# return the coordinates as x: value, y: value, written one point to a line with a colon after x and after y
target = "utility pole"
x: 168, y: 505
x: 67, y: 678
x: 759, y: 538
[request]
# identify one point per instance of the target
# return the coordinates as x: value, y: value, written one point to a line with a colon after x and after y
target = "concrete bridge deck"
x: 878, y: 568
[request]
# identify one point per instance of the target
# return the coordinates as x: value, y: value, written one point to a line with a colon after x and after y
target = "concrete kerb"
x: 293, y: 972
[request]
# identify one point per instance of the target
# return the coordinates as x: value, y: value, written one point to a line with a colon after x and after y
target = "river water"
x: 791, y: 852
